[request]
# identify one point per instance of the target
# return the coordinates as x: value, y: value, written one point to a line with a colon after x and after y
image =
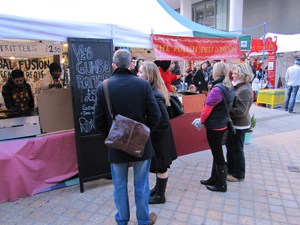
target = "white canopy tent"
x: 286, y: 43
x: 288, y: 48
x: 129, y: 23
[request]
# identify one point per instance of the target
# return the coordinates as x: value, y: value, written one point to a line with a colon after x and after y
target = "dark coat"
x: 162, y: 138
x: 131, y: 97
x: 17, y: 98
x: 199, y: 81
x: 176, y: 71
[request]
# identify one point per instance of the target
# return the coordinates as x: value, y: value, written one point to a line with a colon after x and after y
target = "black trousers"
x: 214, y: 138
x: 235, y: 153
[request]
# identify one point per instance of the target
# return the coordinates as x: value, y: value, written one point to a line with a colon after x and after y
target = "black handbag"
x: 176, y: 108
x: 125, y: 134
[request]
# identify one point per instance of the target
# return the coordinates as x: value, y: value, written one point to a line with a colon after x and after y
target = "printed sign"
x: 29, y: 49
x: 257, y: 45
x: 195, y: 48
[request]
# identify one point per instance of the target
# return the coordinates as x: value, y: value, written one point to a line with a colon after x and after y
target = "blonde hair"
x: 222, y: 69
x: 244, y: 72
x: 155, y: 79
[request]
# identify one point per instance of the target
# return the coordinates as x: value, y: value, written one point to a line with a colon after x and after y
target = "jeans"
x: 214, y: 138
x: 119, y: 173
x: 290, y: 98
x: 235, y: 154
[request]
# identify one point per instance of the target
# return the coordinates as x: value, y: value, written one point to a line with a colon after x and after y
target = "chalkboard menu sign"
x: 90, y: 63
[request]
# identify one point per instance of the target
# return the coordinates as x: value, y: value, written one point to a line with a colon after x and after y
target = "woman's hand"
x: 197, y: 123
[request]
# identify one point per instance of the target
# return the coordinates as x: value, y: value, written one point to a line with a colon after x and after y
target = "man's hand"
x: 58, y: 85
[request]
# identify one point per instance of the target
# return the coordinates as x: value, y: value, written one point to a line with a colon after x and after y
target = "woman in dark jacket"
x: 138, y: 63
x: 162, y: 136
x: 200, y: 78
x: 175, y: 69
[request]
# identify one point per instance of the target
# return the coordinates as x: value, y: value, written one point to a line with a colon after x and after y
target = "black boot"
x: 220, y: 184
x: 213, y: 176
x: 159, y: 197
x: 154, y: 190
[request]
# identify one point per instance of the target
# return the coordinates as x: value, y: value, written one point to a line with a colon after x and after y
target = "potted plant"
x: 248, y: 134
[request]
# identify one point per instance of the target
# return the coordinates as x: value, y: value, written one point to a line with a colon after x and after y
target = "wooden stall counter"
x: 187, y: 138
x: 25, y: 126
x: 193, y: 103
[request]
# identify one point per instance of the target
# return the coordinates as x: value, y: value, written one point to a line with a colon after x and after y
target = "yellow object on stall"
x: 271, y: 97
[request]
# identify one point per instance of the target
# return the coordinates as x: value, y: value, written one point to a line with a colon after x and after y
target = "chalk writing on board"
x: 90, y: 69
x: 85, y: 125
x: 87, y: 82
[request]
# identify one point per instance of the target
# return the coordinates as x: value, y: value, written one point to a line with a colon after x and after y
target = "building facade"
x: 254, y: 17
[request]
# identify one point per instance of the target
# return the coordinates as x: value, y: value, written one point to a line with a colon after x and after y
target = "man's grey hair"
x: 122, y: 58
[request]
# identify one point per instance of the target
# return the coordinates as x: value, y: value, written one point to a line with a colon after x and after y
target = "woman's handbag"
x: 176, y: 108
x: 125, y: 134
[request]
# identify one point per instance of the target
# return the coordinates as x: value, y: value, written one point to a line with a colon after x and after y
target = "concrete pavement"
x: 269, y: 195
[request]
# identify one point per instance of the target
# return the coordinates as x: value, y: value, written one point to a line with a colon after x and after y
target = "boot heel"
x: 221, y: 184
x: 210, y: 181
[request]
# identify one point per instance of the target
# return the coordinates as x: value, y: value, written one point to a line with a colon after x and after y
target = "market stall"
x: 94, y: 23
x: 280, y: 52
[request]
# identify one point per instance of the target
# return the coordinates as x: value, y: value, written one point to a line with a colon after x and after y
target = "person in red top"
x: 167, y: 76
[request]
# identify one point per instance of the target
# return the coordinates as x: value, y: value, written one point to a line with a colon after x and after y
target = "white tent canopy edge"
x: 115, y: 19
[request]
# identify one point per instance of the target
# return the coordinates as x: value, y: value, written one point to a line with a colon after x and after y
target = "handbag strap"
x: 224, y: 99
x: 107, y: 97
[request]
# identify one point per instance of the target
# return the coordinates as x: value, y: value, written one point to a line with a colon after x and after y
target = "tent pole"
x: 264, y: 53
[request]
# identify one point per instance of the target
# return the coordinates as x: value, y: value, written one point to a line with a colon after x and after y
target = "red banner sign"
x: 271, y: 69
x: 194, y: 48
x: 257, y: 45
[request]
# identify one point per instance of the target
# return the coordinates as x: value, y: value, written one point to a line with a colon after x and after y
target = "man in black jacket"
x: 17, y: 93
x: 131, y: 97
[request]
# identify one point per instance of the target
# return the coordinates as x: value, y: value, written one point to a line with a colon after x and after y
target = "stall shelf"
x: 19, y: 127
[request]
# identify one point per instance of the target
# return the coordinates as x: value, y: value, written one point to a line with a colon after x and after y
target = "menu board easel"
x: 90, y: 63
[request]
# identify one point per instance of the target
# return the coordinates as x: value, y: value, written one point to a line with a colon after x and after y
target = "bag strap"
x: 107, y: 98
x: 224, y: 99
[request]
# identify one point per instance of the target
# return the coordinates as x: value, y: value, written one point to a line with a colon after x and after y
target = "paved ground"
x: 269, y: 195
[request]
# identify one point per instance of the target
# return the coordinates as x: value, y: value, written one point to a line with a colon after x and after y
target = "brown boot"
x: 153, y: 218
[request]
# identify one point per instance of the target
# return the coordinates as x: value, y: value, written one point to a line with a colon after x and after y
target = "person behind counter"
x: 17, y: 93
x: 51, y: 80
x: 167, y: 76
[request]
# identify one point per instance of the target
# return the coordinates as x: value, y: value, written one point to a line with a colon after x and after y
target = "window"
x: 204, y: 13
x: 211, y: 13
